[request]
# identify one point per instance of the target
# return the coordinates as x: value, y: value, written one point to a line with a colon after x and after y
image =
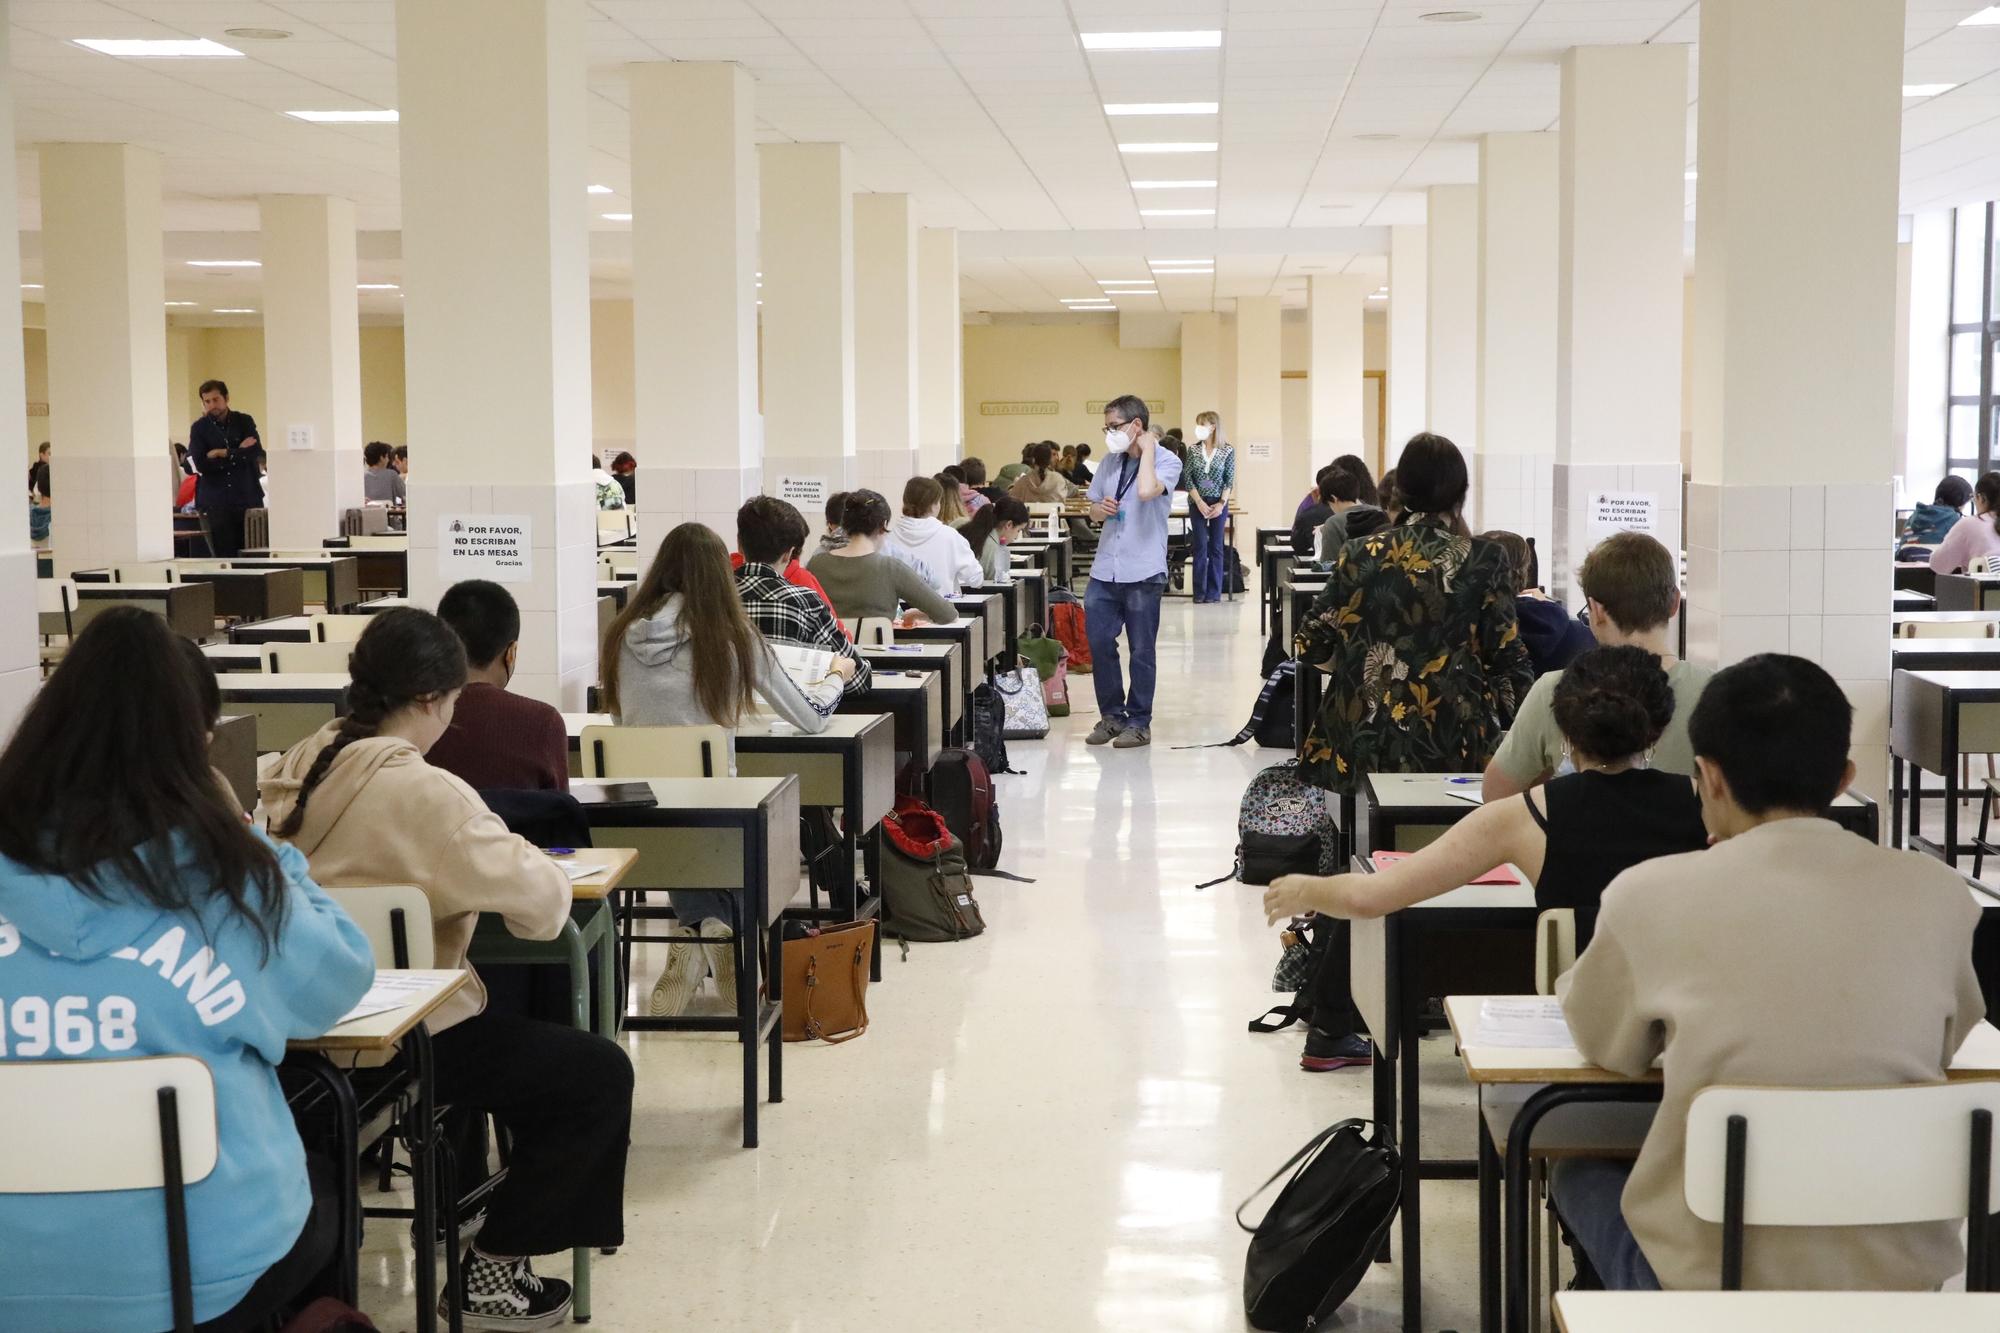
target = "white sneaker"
x: 721, y: 959
x: 685, y: 968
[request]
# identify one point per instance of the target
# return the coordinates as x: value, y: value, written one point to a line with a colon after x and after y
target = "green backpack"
x: 926, y: 893
x: 1051, y: 663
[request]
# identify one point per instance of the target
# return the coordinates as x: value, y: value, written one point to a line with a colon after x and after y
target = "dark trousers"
x: 1330, y: 990
x: 225, y: 529
x: 306, y: 1271
x: 1211, y: 560
x: 1134, y: 608
x: 565, y: 1098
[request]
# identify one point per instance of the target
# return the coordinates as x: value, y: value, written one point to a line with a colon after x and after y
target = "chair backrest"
x: 338, y: 629
x: 396, y: 918
x: 158, y: 571
x: 379, y: 541
x: 1045, y: 518
x: 655, y: 752
x: 94, y: 1124
x: 1555, y: 947
x: 308, y: 658
x: 1980, y: 565
x: 870, y: 631
x: 1761, y: 1157
x: 1950, y: 629
x: 623, y: 560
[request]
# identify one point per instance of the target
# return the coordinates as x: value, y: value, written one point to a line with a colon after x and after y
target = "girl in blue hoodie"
x: 135, y: 900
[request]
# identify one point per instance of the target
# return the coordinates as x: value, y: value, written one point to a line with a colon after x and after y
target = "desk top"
x: 1967, y: 681
x: 614, y: 864
x: 282, y: 682
x: 375, y: 604
x: 1775, y: 1311
x: 1978, y: 1058
x: 115, y: 590
x: 1394, y: 791
x: 932, y: 651
x: 379, y: 1032
x: 1943, y: 617
x: 232, y: 569
x: 736, y: 795
x: 1972, y: 648
x: 319, y: 560
x: 233, y: 652
x: 755, y: 729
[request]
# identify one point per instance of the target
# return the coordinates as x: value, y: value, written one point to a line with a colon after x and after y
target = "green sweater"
x: 860, y: 586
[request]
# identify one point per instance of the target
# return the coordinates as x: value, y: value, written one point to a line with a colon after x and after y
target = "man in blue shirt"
x: 1131, y: 495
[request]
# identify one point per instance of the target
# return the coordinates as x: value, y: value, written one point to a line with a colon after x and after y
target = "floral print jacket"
x: 1426, y: 665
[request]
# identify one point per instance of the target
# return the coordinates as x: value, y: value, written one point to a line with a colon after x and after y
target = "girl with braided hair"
x: 359, y: 801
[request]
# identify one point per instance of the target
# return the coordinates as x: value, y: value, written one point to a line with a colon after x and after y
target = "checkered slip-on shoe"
x: 505, y: 1294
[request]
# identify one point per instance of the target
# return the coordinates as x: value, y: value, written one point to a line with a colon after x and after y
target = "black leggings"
x: 565, y: 1097
x: 305, y: 1272
x: 1330, y: 989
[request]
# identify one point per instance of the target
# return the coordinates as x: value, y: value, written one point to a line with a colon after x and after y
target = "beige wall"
x: 35, y: 352
x: 236, y: 357
x: 613, y: 415
x: 1068, y: 362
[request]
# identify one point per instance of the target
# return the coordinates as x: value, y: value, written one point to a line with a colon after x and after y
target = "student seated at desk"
x: 1571, y: 837
x: 1633, y: 586
x: 991, y: 531
x: 684, y: 653
x: 380, y: 483
x: 864, y: 582
x: 1930, y: 522
x: 1974, y: 537
x: 938, y: 553
x: 1555, y: 638
x: 785, y: 609
x: 361, y: 803
x: 1354, y: 512
x: 497, y: 740
x: 1792, y: 953
x: 130, y: 886
x: 834, y: 537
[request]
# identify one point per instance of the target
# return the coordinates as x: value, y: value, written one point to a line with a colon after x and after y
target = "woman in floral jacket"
x: 1416, y: 629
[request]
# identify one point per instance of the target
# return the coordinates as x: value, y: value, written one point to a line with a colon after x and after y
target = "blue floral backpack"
x: 1282, y: 828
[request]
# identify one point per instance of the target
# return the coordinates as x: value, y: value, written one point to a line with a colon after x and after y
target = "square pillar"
x: 1201, y: 369
x: 496, y: 284
x: 808, y: 315
x: 312, y: 365
x: 1620, y: 293
x: 1258, y: 430
x: 1408, y: 387
x: 694, y: 295
x: 1517, y: 334
x: 1452, y: 287
x: 1334, y: 374
x: 885, y: 342
x: 20, y: 650
x: 940, y: 350
x: 105, y: 298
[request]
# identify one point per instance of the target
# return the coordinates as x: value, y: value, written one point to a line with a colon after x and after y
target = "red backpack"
x: 962, y: 788
x: 1066, y: 624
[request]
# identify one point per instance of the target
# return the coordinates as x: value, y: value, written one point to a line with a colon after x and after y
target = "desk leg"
x: 748, y: 952
x: 774, y: 981
x: 421, y: 1140
x: 1489, y: 1229
x: 1384, y: 1075
x: 1410, y: 1146
x: 1896, y: 801
x: 1916, y: 801
x: 347, y: 1169
x: 579, y: 1001
x: 1951, y: 809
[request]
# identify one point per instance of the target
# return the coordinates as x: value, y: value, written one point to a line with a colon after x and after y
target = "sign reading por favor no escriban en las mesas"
x: 499, y: 547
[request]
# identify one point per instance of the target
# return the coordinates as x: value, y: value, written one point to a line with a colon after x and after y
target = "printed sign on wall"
x: 805, y: 494
x: 485, y: 546
x: 1623, y: 511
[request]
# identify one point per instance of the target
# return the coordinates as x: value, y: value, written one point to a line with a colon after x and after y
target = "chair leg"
x: 1536, y: 1301
x: 1979, y: 848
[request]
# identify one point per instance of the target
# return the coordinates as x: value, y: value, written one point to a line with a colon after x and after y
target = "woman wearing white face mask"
x: 1211, y: 475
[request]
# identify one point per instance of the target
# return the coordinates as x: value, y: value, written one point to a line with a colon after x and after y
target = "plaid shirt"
x: 1210, y: 479
x: 785, y: 613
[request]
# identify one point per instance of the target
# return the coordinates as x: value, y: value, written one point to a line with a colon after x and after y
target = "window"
x: 1973, y: 423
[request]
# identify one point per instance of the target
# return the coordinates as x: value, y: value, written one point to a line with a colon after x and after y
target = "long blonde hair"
x: 693, y: 562
x: 951, y: 505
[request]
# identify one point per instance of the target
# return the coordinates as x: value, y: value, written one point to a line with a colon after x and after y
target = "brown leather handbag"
x: 826, y: 983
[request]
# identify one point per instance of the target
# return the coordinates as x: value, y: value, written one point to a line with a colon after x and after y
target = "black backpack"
x: 1272, y: 722
x: 1323, y: 1230
x: 989, y: 729
x: 1235, y: 574
x: 962, y: 792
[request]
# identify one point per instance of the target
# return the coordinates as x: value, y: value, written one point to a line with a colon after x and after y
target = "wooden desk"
x: 614, y: 864
x: 1917, y: 576
x: 1571, y: 1079
x: 915, y: 699
x: 234, y: 656
x: 382, y: 1032
x: 1776, y: 1311
x: 1944, y: 654
x: 189, y: 608
x: 1031, y: 589
x: 1273, y: 562
x: 1907, y: 599
x: 616, y: 589
x: 1967, y: 592
x: 987, y: 610
x: 377, y: 568
x: 1012, y: 617
x: 1934, y: 716
x: 232, y: 752
x: 1944, y: 617
x: 969, y: 635
x: 946, y: 660
x: 333, y: 581
x: 378, y: 604
x: 1297, y: 589
x: 288, y: 706
x: 280, y: 629
x: 256, y: 593
x: 1269, y: 537
x: 1052, y: 554
x: 1401, y: 812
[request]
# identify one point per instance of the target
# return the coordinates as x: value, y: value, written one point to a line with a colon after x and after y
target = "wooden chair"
x: 307, y: 658
x: 396, y: 918
x: 1844, y: 1157
x: 156, y: 571
x: 870, y: 631
x: 1045, y: 519
x: 338, y: 628
x: 87, y: 1126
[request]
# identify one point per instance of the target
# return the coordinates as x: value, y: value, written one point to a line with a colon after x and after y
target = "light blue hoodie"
x: 156, y: 983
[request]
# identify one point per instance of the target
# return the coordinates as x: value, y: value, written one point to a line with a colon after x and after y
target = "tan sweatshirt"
x: 1794, y: 955
x: 384, y: 816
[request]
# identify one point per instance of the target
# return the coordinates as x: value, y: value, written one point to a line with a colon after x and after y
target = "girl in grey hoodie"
x: 684, y: 653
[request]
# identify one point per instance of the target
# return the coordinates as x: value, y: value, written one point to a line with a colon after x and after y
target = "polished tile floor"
x: 1047, y: 1128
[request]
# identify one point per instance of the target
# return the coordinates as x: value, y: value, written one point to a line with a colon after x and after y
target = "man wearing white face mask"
x: 1131, y: 495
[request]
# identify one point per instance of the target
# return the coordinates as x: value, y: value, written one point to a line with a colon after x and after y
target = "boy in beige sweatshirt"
x: 1789, y: 954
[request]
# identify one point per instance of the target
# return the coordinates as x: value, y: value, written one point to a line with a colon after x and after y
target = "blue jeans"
x: 1588, y: 1192
x: 1134, y: 608
x: 1211, y: 561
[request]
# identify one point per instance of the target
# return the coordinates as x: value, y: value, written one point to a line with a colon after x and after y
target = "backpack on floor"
x: 1067, y: 624
x: 926, y: 893
x: 962, y: 788
x: 1323, y: 1230
x: 1051, y: 661
x: 1235, y: 577
x: 1283, y: 828
x: 1272, y: 722
x: 989, y: 729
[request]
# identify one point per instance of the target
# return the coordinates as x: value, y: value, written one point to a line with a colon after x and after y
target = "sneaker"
x: 505, y: 1294
x: 1132, y: 738
x: 686, y: 966
x: 1325, y: 1053
x: 721, y: 958
x: 1106, y: 730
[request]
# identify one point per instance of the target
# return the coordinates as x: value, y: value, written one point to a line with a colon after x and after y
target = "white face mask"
x: 1201, y: 433
x: 1114, y: 439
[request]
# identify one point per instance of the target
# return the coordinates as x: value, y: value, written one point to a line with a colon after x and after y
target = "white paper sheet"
x: 1532, y: 1022
x: 389, y: 990
x: 576, y: 870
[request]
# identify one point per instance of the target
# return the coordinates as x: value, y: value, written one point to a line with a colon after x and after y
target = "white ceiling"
x: 987, y: 112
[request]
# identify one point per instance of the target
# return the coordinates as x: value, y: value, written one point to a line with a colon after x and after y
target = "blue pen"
x: 1463, y: 782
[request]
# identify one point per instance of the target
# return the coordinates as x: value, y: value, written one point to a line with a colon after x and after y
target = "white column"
x: 1794, y: 373
x: 1929, y: 353
x: 1517, y: 334
x: 694, y: 295
x: 1621, y: 292
x: 808, y: 315
x: 496, y: 285
x: 20, y: 672
x: 940, y: 350
x: 1333, y: 377
x: 312, y: 365
x: 1452, y: 286
x: 105, y: 294
x: 885, y: 342
x: 1409, y: 338
x: 1258, y: 431
x: 1201, y: 368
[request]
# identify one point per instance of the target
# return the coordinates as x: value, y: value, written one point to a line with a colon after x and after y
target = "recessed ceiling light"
x: 597, y: 189
x: 1985, y: 18
x: 1173, y: 185
x: 616, y: 217
x: 376, y: 287
x: 31, y: 286
x: 225, y: 263
x: 1176, y: 212
x: 1689, y: 175
x: 1124, y: 282
x: 1452, y: 16
x: 1152, y: 41
x: 372, y: 116
x: 1161, y: 108
x: 1927, y: 89
x: 183, y: 303
x: 235, y: 312
x: 257, y: 34
x: 1377, y: 138
x: 1184, y: 272
x: 149, y: 48
x: 1378, y: 296
x: 1166, y: 147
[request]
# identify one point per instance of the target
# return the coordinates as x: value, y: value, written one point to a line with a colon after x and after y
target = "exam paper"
x: 576, y: 870
x: 1529, y: 1021
x: 389, y: 990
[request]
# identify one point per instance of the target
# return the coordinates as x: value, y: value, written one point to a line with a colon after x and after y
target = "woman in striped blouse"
x: 1211, y: 476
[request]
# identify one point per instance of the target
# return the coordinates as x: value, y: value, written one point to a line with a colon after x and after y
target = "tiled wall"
x: 111, y: 511
x: 308, y: 489
x: 671, y: 496
x: 1517, y: 494
x: 1570, y: 520
x: 20, y: 668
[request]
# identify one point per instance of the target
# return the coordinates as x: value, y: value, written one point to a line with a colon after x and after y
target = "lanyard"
x: 1128, y: 474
